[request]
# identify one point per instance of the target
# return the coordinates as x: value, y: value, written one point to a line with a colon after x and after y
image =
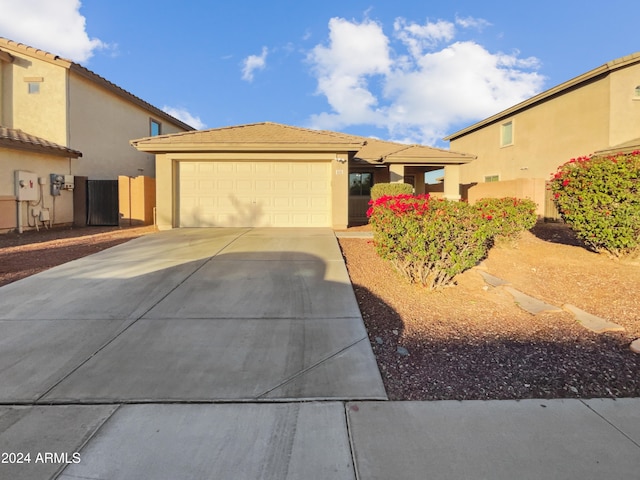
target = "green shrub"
x: 508, y: 217
x: 429, y: 241
x: 599, y: 197
x: 390, y: 189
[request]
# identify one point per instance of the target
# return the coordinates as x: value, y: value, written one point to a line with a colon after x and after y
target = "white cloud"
x: 421, y: 87
x: 355, y: 53
x: 471, y: 22
x: 417, y: 38
x: 57, y: 27
x: 253, y: 63
x: 183, y: 115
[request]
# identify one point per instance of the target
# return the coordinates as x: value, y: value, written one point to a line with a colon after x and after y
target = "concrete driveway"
x: 190, y: 315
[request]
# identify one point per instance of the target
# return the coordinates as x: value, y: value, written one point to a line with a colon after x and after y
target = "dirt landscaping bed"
x: 472, y: 341
x: 28, y: 253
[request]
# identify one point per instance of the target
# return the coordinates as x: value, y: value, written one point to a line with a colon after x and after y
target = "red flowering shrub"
x: 508, y: 217
x: 428, y: 240
x: 599, y: 197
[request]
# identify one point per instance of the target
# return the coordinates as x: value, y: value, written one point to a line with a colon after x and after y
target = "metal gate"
x: 102, y: 203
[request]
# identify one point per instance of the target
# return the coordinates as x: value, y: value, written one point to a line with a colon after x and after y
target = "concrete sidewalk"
x: 241, y: 353
x: 529, y: 439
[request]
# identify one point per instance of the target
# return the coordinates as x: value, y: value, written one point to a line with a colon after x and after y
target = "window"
x: 637, y: 92
x: 492, y: 178
x: 33, y: 84
x: 360, y: 183
x: 155, y: 128
x: 506, y: 134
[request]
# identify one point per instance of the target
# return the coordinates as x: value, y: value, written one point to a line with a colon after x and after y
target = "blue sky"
x: 411, y: 71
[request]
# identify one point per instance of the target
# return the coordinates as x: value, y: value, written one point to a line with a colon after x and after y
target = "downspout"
x: 68, y: 113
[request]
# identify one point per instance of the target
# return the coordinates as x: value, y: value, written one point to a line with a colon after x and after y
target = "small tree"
x: 599, y: 197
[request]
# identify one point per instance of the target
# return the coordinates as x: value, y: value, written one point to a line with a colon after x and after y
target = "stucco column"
x: 340, y: 191
x: 165, y: 180
x: 396, y: 173
x: 452, y: 182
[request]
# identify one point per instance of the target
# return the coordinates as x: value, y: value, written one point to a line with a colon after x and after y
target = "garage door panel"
x: 241, y: 194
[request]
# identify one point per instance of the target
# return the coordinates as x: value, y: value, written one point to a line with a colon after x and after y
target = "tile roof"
x: 17, y: 139
x: 266, y: 135
x: 380, y: 151
x: 94, y: 77
x: 261, y: 135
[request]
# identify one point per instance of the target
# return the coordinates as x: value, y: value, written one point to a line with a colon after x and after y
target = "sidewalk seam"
x: 606, y: 420
x: 88, y: 439
x: 352, y: 450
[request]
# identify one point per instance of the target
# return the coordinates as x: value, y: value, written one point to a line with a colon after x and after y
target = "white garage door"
x: 255, y: 194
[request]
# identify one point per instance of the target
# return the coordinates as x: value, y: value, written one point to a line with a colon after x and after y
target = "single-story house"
x: 269, y: 174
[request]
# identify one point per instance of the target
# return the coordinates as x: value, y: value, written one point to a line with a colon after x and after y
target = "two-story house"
x: 59, y: 120
x: 519, y: 148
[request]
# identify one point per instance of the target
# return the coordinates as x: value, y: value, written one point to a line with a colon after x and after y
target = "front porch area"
x: 386, y: 162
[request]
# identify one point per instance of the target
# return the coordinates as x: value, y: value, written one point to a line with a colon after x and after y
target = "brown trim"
x: 6, y: 57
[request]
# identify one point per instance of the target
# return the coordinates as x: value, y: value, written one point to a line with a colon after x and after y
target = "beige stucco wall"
x: 167, y: 202
x: 42, y: 114
x: 61, y: 210
x: 545, y: 136
x: 533, y: 189
x: 625, y: 105
x: 102, y: 124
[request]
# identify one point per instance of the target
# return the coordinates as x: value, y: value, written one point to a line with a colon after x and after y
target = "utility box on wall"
x: 26, y: 184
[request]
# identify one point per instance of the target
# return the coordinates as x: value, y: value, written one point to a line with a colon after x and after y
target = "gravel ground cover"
x: 472, y: 341
x: 25, y: 254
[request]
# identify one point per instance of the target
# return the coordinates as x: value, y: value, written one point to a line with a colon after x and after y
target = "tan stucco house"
x: 269, y: 174
x: 57, y: 117
x: 519, y: 148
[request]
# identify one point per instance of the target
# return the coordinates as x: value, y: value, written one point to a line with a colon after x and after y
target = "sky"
x: 407, y: 71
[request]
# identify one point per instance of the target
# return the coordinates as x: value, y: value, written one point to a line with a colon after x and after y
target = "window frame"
x: 33, y: 84
x: 371, y: 183
x: 492, y: 178
x: 503, y: 127
x: 153, y: 122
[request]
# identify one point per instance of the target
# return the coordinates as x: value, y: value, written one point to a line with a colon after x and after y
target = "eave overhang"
x: 19, y: 140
